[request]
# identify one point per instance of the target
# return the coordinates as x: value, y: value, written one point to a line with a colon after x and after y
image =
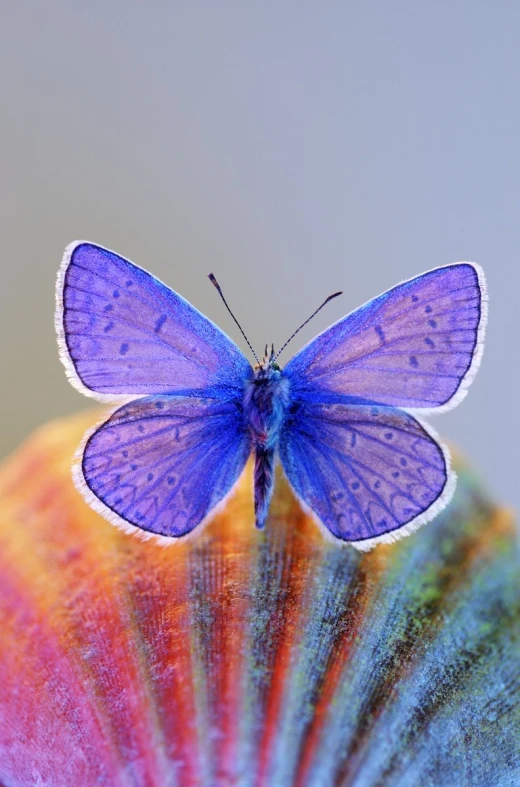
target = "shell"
x: 251, y: 658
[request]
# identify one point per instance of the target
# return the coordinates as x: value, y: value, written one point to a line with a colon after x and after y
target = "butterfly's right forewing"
x: 417, y: 346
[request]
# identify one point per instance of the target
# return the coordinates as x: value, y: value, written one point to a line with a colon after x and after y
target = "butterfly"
x: 343, y: 416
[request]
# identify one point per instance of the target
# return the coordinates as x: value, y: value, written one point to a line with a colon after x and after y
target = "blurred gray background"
x: 293, y: 148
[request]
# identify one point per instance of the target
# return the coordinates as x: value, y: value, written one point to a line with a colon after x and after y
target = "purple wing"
x: 162, y: 464
x: 123, y: 333
x: 417, y: 346
x: 368, y: 473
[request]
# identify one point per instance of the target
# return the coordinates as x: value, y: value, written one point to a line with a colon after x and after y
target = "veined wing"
x: 417, y: 346
x: 368, y: 473
x: 122, y: 333
x: 162, y: 464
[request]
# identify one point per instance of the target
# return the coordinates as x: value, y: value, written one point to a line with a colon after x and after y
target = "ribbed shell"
x: 251, y: 658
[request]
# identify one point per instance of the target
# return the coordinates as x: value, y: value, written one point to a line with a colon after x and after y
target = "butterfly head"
x: 267, y: 366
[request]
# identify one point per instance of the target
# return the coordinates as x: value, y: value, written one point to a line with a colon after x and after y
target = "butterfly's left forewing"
x: 162, y: 464
x: 368, y: 473
x: 122, y: 333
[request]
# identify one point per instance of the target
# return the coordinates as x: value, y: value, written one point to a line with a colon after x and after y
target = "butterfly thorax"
x: 266, y: 399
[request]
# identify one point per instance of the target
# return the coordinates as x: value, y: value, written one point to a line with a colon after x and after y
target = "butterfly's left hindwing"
x: 162, y: 464
x: 368, y: 473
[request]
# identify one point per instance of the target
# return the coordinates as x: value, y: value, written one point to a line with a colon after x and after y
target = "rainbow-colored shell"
x: 246, y: 657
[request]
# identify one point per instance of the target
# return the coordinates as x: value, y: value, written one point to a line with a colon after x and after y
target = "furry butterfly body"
x: 343, y: 415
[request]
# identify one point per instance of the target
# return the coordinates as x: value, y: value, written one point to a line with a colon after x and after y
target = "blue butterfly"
x: 341, y: 415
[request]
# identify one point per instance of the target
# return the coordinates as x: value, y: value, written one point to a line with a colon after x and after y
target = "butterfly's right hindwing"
x: 368, y: 473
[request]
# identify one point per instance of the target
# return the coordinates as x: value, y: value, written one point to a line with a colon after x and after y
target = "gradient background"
x: 293, y: 148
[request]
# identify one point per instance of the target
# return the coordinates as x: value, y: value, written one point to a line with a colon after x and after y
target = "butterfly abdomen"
x: 266, y: 400
x: 264, y: 481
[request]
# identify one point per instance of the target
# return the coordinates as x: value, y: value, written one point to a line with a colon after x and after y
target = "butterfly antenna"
x: 334, y: 295
x: 217, y: 287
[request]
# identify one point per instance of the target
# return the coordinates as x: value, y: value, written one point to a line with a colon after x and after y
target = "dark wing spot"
x: 150, y: 477
x: 415, y: 298
x: 396, y: 474
x: 124, y: 348
x: 429, y: 342
x: 159, y: 405
x: 428, y: 309
x: 389, y: 435
x: 108, y: 327
x: 133, y: 467
x: 432, y: 323
x: 108, y: 307
x: 140, y: 428
x: 129, y: 283
x: 125, y: 454
x: 160, y: 322
x: 380, y: 333
x: 171, y: 480
x: 413, y: 361
x: 403, y: 461
x: 355, y: 485
x: 377, y: 484
x: 116, y: 293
